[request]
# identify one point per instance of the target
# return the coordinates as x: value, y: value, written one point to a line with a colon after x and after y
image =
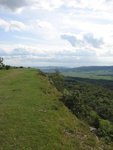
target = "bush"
x: 93, y: 119
x: 58, y: 80
x: 105, y: 129
x: 41, y: 73
x: 21, y: 67
x: 7, y: 67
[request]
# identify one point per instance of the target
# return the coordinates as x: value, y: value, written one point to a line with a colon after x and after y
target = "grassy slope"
x: 32, y: 117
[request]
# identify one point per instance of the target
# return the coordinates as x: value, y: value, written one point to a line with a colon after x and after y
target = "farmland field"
x: 90, y: 75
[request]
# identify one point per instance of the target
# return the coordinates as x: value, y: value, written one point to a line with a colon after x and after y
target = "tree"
x: 105, y: 130
x: 1, y: 62
x: 72, y: 99
x: 58, y: 80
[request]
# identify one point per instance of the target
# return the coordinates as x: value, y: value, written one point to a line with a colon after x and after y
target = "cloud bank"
x: 56, y: 32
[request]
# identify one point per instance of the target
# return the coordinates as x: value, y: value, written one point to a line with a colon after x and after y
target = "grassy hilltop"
x: 33, y: 118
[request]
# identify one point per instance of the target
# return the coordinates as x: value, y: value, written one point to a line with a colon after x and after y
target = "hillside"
x: 77, y: 69
x: 33, y: 118
x: 93, y: 68
x: 90, y: 72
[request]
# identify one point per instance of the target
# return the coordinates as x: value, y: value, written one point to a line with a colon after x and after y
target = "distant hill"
x: 92, y: 72
x: 93, y: 68
x: 53, y: 68
x: 77, y: 69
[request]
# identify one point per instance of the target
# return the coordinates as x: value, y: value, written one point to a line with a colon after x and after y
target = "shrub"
x: 41, y: 73
x: 58, y: 80
x: 7, y: 67
x: 21, y: 67
x: 105, y: 129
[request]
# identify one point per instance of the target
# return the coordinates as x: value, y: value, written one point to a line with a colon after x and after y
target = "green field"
x: 90, y: 75
x: 32, y: 117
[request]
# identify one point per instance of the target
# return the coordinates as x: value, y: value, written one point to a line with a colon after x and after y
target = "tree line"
x: 2, y: 65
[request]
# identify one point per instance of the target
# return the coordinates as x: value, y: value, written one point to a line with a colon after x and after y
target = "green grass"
x: 32, y: 117
x: 90, y: 75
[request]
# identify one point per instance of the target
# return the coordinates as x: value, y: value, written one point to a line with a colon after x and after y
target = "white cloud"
x: 13, y: 5
x: 97, y: 5
x: 87, y: 39
x: 86, y: 26
x: 44, y: 29
x: 33, y: 56
x: 50, y: 4
x: 4, y: 24
x: 12, y: 25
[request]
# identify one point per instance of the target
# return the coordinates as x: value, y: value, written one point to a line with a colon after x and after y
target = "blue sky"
x: 56, y: 32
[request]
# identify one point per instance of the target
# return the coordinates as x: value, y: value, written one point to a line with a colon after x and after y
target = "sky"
x: 68, y: 33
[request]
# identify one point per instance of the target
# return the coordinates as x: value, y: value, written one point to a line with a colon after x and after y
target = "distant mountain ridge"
x: 77, y: 69
x: 93, y: 68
